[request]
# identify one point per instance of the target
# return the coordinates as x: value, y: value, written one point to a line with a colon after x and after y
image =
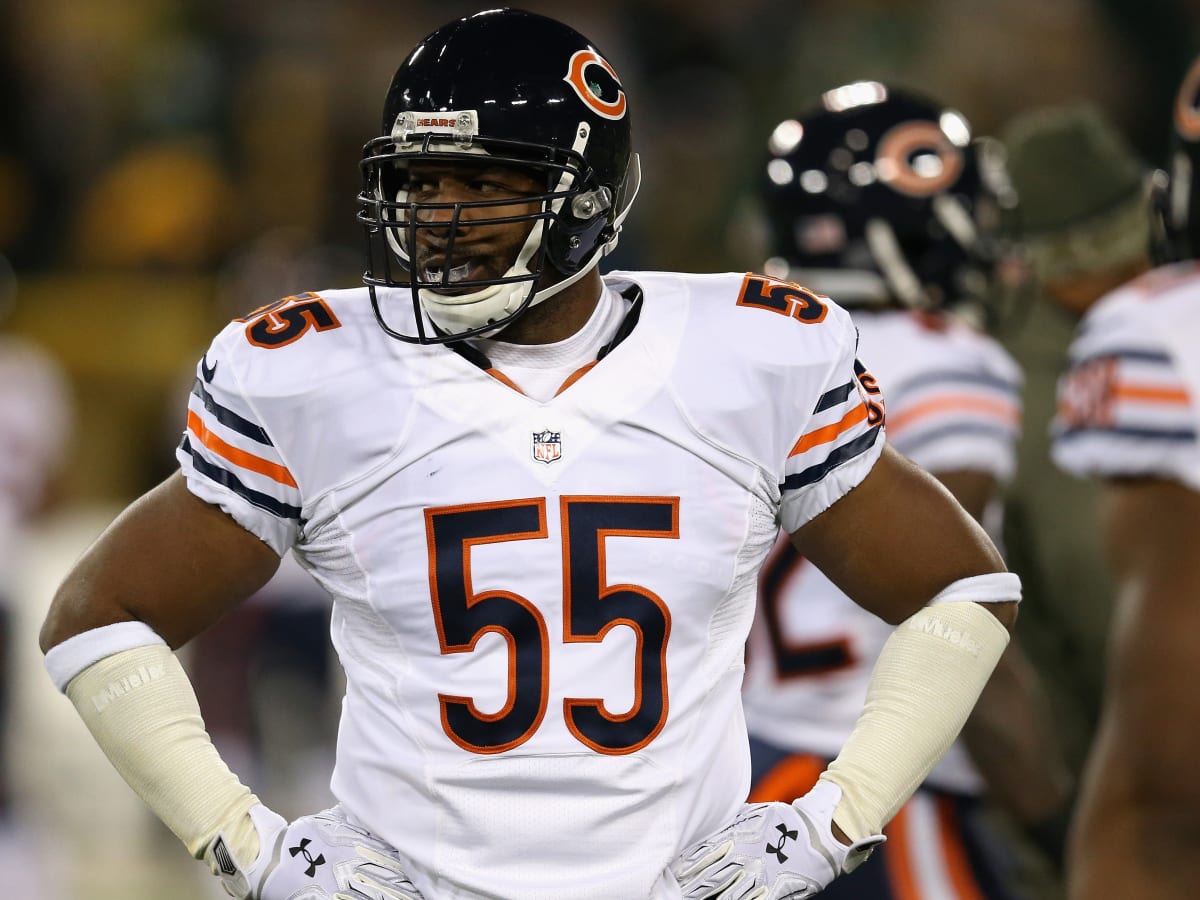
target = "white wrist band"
x: 995, y: 587
x: 66, y: 660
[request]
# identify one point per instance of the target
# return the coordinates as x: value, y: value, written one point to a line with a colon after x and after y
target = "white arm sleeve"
x: 142, y: 711
x: 924, y: 685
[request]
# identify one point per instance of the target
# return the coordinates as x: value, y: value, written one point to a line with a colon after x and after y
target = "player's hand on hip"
x: 772, y: 851
x: 316, y: 857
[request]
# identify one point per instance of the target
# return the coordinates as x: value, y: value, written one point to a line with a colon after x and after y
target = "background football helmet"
x: 1175, y: 215
x: 877, y: 197
x: 523, y: 90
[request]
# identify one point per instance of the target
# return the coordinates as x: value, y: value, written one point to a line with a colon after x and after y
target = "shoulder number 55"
x: 591, y: 608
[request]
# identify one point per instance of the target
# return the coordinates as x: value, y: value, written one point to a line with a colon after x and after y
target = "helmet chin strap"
x: 453, y: 318
x: 456, y: 314
x: 849, y: 287
x: 885, y: 250
x: 1181, y: 190
x: 956, y: 220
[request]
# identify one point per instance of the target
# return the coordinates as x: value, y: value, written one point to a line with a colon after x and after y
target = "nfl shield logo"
x: 547, y: 446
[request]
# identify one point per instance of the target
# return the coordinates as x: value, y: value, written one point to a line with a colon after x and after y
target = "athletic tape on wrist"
x: 923, y: 687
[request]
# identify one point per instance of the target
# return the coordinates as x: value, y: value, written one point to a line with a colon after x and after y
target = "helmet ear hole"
x: 580, y: 230
x: 571, y: 243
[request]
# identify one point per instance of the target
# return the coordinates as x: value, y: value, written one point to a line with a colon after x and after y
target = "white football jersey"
x: 953, y: 403
x: 541, y: 607
x: 1129, y: 405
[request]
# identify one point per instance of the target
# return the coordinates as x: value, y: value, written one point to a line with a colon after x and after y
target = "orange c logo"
x: 1187, y: 116
x: 894, y: 159
x: 580, y: 60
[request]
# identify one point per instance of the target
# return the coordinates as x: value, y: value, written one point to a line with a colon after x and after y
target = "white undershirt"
x: 539, y: 370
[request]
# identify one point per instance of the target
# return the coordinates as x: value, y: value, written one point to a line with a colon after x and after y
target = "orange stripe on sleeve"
x: 1000, y: 408
x: 829, y: 432
x: 1173, y: 396
x: 238, y: 457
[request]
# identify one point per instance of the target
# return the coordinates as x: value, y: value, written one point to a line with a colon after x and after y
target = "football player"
x: 36, y: 422
x: 539, y: 499
x: 1129, y: 414
x: 882, y: 198
x: 1081, y: 223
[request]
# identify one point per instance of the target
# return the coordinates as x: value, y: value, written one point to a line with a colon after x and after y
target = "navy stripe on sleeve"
x: 908, y: 441
x: 834, y: 397
x: 1154, y: 356
x: 957, y: 378
x: 1140, y: 434
x: 842, y: 454
x: 229, y: 418
x: 227, y: 479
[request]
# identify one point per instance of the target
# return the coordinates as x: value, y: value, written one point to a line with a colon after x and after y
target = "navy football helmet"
x: 1175, y: 192
x: 515, y: 89
x: 880, y: 197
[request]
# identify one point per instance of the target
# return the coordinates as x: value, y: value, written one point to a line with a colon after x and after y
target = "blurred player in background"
x: 539, y: 498
x: 35, y: 426
x: 1082, y: 221
x: 36, y: 419
x: 1129, y: 414
x: 881, y: 198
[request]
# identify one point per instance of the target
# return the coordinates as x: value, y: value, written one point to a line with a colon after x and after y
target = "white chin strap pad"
x: 454, y: 315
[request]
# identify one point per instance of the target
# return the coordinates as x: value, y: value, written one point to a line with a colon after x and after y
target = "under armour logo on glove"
x: 745, y: 860
x: 334, y: 860
x: 313, y: 864
x: 784, y: 836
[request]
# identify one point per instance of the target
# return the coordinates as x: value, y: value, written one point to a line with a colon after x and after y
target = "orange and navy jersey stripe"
x: 1129, y: 403
x: 1131, y: 393
x: 842, y: 428
x: 1127, y: 411
x: 954, y: 413
x: 229, y: 448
